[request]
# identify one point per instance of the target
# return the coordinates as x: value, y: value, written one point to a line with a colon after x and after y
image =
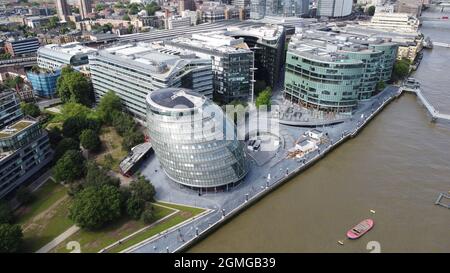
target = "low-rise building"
x: 177, y: 22
x: 395, y: 22
x: 9, y: 108
x: 18, y: 47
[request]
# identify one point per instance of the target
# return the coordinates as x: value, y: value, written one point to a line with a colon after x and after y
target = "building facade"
x: 267, y: 42
x: 55, y: 56
x: 28, y: 46
x: 191, y: 155
x: 321, y: 80
x: 44, y: 82
x: 9, y: 108
x: 85, y: 7
x: 334, y: 8
x: 134, y: 70
x: 62, y: 9
x: 232, y: 63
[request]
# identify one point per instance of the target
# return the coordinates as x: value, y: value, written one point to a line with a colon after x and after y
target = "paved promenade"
x: 224, y: 205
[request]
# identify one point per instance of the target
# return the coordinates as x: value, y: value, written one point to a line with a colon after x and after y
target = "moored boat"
x: 360, y: 229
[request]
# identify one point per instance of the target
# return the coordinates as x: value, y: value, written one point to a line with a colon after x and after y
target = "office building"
x: 232, y: 63
x: 334, y: 8
x: 85, y: 7
x: 44, y: 82
x: 175, y: 22
x: 267, y: 42
x: 21, y: 47
x: 54, y: 56
x: 284, y: 8
x: 395, y: 22
x: 194, y: 140
x: 62, y: 9
x: 134, y: 70
x: 186, y: 5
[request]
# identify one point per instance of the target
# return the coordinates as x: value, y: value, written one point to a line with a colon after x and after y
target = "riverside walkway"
x: 435, y: 114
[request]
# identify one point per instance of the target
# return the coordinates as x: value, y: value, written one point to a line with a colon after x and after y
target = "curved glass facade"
x: 322, y: 85
x: 193, y: 139
x: 44, y: 84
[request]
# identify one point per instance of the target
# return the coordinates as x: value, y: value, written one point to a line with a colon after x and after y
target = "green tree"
x: 54, y: 136
x: 89, y: 140
x: 73, y: 126
x: 135, y: 207
x: 109, y: 104
x: 10, y: 238
x: 14, y: 82
x: 126, y: 17
x: 401, y: 69
x: 6, y: 215
x: 380, y: 86
x: 131, y: 139
x: 122, y: 122
x: 53, y: 22
x: 5, y: 56
x: 93, y: 207
x: 142, y: 188
x: 72, y: 86
x: 152, y: 8
x: 371, y: 10
x: 148, y: 214
x: 99, y: 7
x: 65, y: 145
x: 69, y: 167
x: 264, y: 97
x: 30, y: 109
x: 24, y: 195
x: 97, y: 176
x: 72, y: 109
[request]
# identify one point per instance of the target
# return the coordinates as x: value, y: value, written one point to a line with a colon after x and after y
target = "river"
x: 397, y: 166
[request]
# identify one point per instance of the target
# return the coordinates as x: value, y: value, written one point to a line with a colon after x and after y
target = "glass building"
x: 322, y: 80
x: 194, y: 141
x: 44, y: 82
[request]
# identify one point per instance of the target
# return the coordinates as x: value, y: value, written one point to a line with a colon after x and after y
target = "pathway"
x: 61, y: 238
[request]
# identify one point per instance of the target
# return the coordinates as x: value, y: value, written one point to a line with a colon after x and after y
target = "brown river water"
x: 396, y: 166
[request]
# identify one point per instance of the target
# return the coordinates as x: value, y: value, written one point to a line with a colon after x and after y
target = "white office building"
x: 54, y: 56
x: 334, y: 8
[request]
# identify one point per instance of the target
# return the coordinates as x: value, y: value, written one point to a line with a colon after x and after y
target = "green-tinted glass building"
x: 322, y: 80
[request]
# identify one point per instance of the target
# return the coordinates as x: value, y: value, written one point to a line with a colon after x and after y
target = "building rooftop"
x: 69, y: 48
x: 175, y: 98
x: 15, y: 128
x: 264, y: 32
x: 214, y: 41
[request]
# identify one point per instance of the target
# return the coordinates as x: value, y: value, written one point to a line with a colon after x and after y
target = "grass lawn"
x: 94, y: 241
x: 43, y: 198
x: 112, y: 152
x: 46, y: 217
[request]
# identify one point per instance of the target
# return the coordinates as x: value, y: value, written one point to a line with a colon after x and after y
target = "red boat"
x: 360, y: 229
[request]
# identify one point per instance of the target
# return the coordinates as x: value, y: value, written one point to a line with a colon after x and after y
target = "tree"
x: 72, y: 86
x: 73, y: 126
x: 126, y: 17
x: 371, y: 10
x: 131, y: 139
x: 54, y: 136
x: 10, y: 238
x: 65, y: 145
x: 89, y: 140
x: 109, y: 104
x: 69, y: 167
x: 96, y: 176
x: 72, y: 109
x: 30, y: 109
x: 93, y: 207
x: 264, y: 97
x: 148, y: 215
x: 142, y: 188
x: 380, y: 86
x: 141, y: 193
x: 6, y: 215
x: 135, y: 206
x: 401, y: 69
x: 52, y: 22
x: 152, y: 8
x: 24, y: 195
x: 122, y: 122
